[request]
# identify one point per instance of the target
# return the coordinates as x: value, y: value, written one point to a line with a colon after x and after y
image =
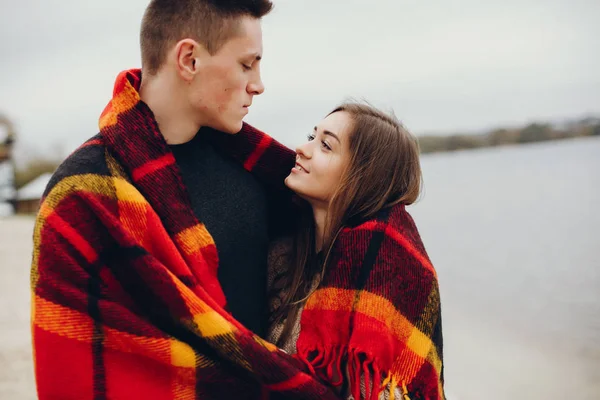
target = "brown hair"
x: 383, y: 170
x: 210, y: 22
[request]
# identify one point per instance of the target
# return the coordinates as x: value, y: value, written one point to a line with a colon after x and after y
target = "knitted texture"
x: 126, y: 303
x: 376, y: 315
x: 374, y: 320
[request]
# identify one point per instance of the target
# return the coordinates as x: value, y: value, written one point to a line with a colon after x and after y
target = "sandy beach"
x: 16, y: 366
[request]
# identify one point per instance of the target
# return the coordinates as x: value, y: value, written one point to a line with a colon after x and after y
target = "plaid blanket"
x: 126, y: 301
x: 376, y: 314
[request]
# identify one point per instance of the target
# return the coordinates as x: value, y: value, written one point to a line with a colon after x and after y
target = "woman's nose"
x: 304, y: 150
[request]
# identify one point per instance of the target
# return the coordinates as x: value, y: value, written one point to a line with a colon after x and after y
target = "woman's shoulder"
x: 393, y: 228
x: 391, y: 217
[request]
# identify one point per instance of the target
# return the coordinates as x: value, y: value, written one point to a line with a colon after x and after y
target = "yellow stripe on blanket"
x: 127, y: 192
x: 211, y: 324
x: 60, y: 320
x: 376, y: 307
x: 122, y: 102
x: 419, y: 343
x: 182, y: 355
x: 193, y: 239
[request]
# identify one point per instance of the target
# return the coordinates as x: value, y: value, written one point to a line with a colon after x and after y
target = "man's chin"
x: 232, y: 129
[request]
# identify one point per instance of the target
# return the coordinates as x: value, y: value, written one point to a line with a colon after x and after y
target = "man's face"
x: 226, y: 82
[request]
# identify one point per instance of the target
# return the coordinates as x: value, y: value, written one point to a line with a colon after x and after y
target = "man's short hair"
x: 210, y: 22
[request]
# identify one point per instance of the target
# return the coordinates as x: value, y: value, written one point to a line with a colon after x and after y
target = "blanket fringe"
x: 362, y: 371
x: 404, y: 392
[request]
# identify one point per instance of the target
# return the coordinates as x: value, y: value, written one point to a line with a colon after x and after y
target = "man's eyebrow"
x: 329, y: 133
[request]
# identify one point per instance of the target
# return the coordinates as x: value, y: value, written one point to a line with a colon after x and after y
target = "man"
x: 149, y: 262
x: 208, y: 79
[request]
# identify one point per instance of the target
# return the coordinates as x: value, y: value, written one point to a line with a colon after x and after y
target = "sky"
x: 442, y: 66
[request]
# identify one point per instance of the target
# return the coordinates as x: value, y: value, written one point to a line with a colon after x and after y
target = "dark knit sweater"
x: 232, y: 205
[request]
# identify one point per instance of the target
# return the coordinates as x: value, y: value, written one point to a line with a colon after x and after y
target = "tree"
x: 535, y: 133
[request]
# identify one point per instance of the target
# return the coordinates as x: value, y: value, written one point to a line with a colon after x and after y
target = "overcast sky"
x: 442, y: 65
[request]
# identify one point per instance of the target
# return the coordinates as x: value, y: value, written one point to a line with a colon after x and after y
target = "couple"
x: 183, y: 254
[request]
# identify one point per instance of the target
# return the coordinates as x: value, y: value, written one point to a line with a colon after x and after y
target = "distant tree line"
x: 535, y: 132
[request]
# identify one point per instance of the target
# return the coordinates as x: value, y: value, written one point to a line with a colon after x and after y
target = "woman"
x: 354, y: 294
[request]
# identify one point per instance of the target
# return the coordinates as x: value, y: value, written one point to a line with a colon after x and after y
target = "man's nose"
x: 256, y: 86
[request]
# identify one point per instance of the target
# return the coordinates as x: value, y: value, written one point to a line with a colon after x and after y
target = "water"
x: 513, y: 233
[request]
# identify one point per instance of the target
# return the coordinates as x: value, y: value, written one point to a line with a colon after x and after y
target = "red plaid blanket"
x: 126, y: 301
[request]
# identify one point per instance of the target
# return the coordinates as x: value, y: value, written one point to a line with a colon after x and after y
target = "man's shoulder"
x: 87, y: 160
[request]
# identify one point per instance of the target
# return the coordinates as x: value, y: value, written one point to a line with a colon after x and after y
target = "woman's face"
x: 321, y: 161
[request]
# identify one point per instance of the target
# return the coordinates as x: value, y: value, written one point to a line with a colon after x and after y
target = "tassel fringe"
x: 362, y: 371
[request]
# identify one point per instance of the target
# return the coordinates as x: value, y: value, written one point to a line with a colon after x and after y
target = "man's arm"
x: 64, y: 297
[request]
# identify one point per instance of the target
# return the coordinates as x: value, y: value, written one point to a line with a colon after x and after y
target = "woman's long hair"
x: 383, y: 170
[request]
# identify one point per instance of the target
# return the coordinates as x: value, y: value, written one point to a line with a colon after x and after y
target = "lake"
x: 514, y: 235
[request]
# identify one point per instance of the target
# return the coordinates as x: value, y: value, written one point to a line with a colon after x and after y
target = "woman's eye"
x: 325, y: 145
x: 310, y: 137
x: 247, y: 67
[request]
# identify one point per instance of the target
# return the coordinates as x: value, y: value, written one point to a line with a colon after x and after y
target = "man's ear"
x: 188, y: 56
